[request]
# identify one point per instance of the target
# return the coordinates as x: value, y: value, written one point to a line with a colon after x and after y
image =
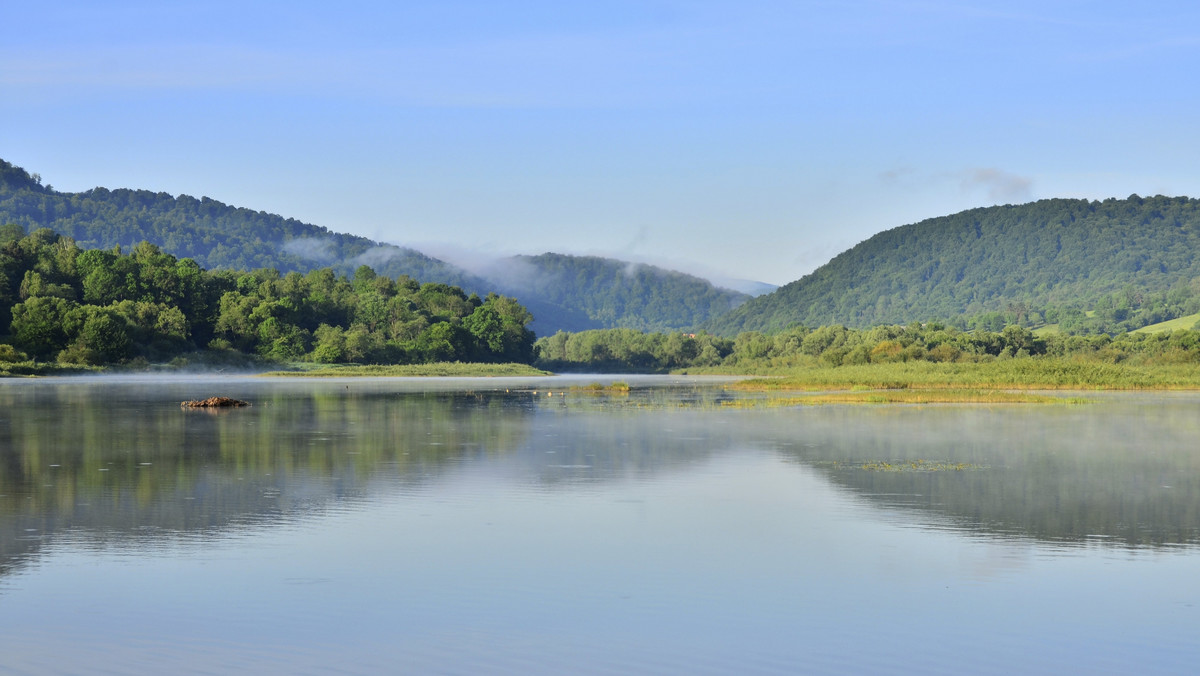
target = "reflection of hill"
x: 115, y: 464
x: 1120, y: 473
x: 121, y: 464
x: 118, y: 466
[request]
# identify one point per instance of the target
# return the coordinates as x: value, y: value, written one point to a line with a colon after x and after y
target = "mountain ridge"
x: 1048, y: 253
x: 217, y: 235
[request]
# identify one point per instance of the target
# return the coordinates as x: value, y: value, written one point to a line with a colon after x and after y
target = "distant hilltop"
x: 1045, y: 262
x: 563, y: 292
x: 1086, y: 266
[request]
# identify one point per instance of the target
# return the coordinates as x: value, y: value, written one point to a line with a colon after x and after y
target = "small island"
x: 214, y: 402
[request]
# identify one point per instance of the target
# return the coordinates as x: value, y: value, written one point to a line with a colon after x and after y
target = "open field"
x: 1178, y: 324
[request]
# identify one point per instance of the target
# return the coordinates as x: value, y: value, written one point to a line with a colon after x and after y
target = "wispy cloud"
x: 1001, y: 186
x: 378, y: 255
x: 311, y: 248
x: 897, y: 174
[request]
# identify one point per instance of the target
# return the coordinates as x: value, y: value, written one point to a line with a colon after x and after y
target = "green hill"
x: 214, y: 234
x: 613, y: 293
x: 1056, y: 253
x: 1184, y: 323
x: 568, y: 293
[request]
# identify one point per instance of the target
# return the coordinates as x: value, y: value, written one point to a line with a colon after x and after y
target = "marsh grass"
x: 905, y: 396
x: 1010, y: 374
x: 444, y: 369
x: 618, y: 387
x: 917, y: 466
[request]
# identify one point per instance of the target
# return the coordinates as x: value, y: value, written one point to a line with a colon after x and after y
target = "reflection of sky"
x: 689, y: 541
x: 742, y: 563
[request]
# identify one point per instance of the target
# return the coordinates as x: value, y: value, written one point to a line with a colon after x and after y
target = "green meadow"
x: 1043, y: 373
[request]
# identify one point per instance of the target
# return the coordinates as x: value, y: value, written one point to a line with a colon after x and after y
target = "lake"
x: 519, y: 526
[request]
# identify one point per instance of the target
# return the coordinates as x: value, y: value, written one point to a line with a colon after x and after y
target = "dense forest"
x: 59, y: 302
x: 1076, y: 266
x: 1061, y: 259
x: 836, y: 345
x: 562, y: 292
x: 616, y: 294
x: 214, y: 234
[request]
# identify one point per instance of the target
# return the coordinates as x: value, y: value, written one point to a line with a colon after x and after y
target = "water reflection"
x: 518, y: 526
x: 127, y: 463
x: 1121, y: 471
x: 120, y: 464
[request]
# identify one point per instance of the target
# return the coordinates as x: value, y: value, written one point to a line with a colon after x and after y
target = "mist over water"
x: 518, y: 525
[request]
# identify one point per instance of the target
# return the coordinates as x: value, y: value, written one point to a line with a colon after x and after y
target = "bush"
x: 10, y: 354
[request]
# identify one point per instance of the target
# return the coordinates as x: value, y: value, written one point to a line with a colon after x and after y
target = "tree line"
x: 60, y: 302
x: 214, y: 234
x: 837, y: 345
x: 564, y: 292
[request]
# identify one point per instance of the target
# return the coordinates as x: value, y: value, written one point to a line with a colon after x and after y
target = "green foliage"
x: 1130, y: 260
x: 93, y: 307
x: 564, y: 292
x: 832, y: 347
x: 612, y: 293
x: 10, y: 354
x: 213, y: 234
x: 38, y: 325
x: 630, y: 350
x: 1041, y: 373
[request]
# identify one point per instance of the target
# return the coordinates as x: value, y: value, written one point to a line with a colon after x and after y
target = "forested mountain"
x: 74, y: 306
x: 214, y: 234
x: 1056, y: 257
x: 612, y: 293
x: 563, y: 292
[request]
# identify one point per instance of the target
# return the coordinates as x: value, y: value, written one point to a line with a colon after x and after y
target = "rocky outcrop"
x: 214, y: 402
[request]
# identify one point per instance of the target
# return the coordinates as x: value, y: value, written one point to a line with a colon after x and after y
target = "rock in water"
x: 214, y: 402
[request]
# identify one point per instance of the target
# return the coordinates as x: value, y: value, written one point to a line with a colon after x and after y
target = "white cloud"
x: 311, y: 248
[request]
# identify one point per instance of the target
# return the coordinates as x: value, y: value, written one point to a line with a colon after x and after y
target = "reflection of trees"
x: 1119, y: 473
x: 119, y: 466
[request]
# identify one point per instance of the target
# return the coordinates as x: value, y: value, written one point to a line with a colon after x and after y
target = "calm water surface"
x: 459, y: 526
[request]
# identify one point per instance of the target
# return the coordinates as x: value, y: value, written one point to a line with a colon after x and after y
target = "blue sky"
x: 747, y: 139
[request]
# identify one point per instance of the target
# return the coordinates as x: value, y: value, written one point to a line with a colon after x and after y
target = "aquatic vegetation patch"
x: 894, y: 466
x: 917, y: 465
x: 618, y: 387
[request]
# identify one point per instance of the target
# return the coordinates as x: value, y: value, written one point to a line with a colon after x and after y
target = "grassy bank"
x: 1032, y: 374
x: 452, y: 369
x: 26, y: 369
x: 906, y: 396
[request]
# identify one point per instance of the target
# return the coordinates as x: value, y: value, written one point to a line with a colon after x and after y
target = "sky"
x: 736, y: 140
